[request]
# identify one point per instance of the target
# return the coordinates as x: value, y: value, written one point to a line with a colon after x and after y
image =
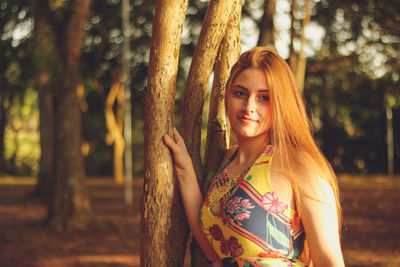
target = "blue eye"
x: 264, y: 97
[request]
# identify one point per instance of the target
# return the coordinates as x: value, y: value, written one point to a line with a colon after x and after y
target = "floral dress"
x: 254, y: 228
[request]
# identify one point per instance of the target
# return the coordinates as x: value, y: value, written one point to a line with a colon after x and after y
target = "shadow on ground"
x: 371, y: 230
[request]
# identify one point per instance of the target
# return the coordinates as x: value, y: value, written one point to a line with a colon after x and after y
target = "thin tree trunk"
x: 164, y: 228
x: 70, y: 206
x: 218, y: 130
x: 293, y: 55
x: 212, y: 32
x: 267, y: 29
x: 114, y: 126
x: 389, y: 134
x: 300, y: 71
x: 3, y: 122
x: 127, y: 117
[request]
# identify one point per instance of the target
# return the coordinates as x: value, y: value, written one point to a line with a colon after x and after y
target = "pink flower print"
x: 216, y: 232
x: 236, y: 200
x: 234, y: 247
x: 246, y: 204
x: 272, y: 204
x: 232, y: 205
x: 241, y: 216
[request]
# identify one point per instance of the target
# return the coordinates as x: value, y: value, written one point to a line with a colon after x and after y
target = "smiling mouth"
x: 246, y: 119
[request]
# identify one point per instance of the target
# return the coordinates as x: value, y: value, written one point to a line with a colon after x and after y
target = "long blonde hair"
x: 291, y: 129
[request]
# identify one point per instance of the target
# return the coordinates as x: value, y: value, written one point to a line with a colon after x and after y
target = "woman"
x: 274, y: 201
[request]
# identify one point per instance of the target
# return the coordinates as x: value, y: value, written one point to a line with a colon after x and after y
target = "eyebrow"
x: 244, y: 88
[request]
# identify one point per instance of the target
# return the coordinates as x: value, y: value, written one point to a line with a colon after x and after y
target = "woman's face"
x: 248, y: 104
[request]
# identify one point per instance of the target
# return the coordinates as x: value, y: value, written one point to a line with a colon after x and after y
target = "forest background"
x: 352, y: 77
x: 351, y: 81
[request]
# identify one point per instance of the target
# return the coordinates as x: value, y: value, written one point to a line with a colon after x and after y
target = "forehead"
x: 251, y: 78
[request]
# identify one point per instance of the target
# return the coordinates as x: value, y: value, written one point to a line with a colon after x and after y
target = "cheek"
x: 266, y: 112
x: 232, y: 105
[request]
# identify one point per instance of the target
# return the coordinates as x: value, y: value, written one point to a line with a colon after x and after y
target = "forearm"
x: 190, y: 191
x: 193, y: 201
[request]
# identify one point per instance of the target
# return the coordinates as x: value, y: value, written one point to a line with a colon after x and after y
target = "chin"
x: 250, y: 134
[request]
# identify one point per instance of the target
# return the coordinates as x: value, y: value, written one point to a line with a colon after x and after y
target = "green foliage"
x: 347, y: 103
x: 22, y: 149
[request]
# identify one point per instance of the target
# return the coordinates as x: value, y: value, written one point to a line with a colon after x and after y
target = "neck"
x: 250, y: 148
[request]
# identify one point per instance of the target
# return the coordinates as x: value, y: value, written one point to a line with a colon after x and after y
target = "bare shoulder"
x: 312, y: 181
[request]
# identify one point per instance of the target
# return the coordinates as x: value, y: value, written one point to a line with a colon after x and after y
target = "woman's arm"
x: 320, y: 222
x: 190, y: 191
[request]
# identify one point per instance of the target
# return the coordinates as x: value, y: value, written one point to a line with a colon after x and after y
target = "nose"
x: 249, y: 105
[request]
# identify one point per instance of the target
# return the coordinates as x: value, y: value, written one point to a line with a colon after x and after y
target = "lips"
x: 246, y: 119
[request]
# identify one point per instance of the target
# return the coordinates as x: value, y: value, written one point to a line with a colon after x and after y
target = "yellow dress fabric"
x: 254, y: 228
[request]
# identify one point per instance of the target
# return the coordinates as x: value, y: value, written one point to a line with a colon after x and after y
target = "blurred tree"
x: 349, y: 78
x: 164, y: 230
x: 102, y: 56
x: 114, y: 123
x: 266, y: 26
x: 297, y: 59
x: 59, y: 32
x: 126, y: 81
x: 47, y: 68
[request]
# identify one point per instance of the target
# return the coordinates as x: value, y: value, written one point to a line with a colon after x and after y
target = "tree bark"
x: 47, y: 63
x: 114, y: 126
x: 301, y: 58
x: 3, y: 122
x: 218, y: 130
x: 164, y: 227
x: 114, y: 123
x: 47, y: 138
x: 70, y: 207
x: 212, y: 32
x: 267, y: 29
x: 298, y: 59
x: 293, y: 55
x: 389, y: 136
x: 127, y: 111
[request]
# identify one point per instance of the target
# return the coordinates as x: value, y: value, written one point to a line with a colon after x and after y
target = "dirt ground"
x: 371, y: 232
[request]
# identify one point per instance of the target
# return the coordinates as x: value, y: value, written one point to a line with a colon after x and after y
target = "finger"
x: 169, y: 142
x: 177, y: 136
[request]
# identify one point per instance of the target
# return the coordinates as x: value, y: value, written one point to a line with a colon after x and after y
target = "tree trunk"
x: 114, y: 123
x: 301, y: 58
x: 293, y: 55
x: 127, y: 115
x: 164, y: 227
x: 389, y: 136
x: 3, y: 122
x: 212, y: 32
x: 47, y: 63
x: 218, y: 131
x: 70, y: 206
x: 267, y: 29
x: 298, y: 59
x: 47, y: 138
